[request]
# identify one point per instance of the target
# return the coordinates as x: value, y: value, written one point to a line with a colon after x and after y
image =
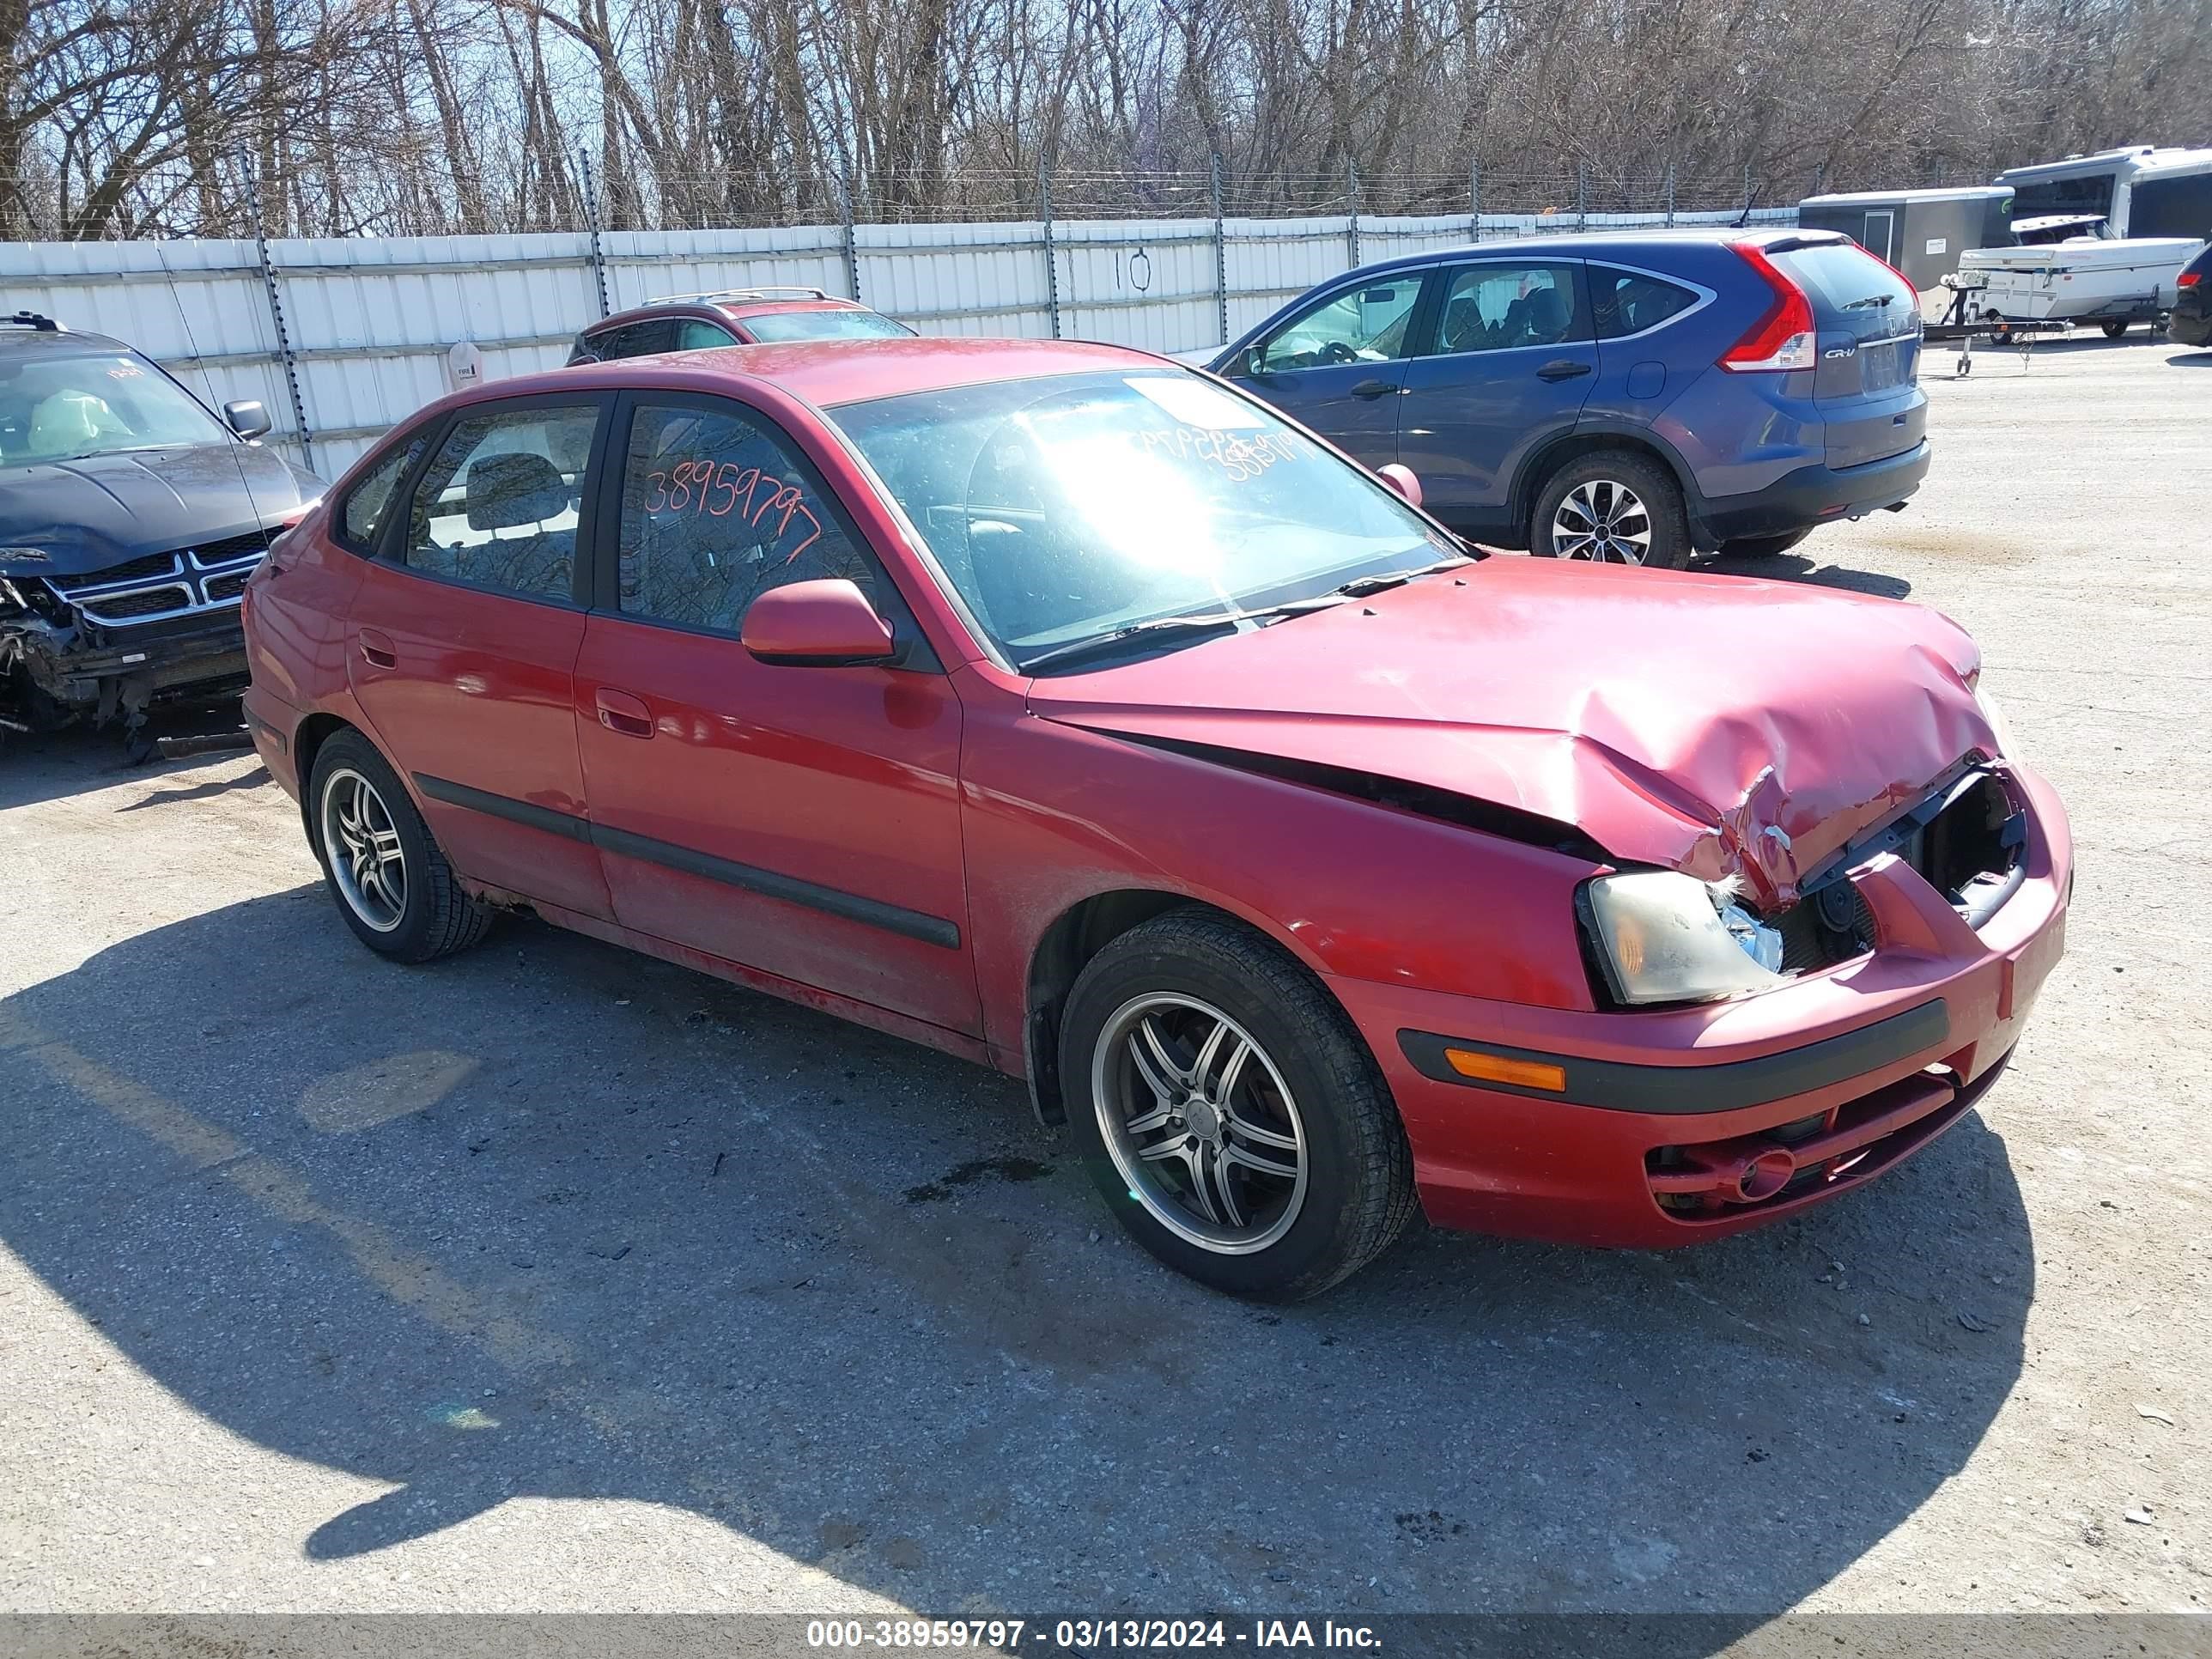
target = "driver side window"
x: 1369, y: 324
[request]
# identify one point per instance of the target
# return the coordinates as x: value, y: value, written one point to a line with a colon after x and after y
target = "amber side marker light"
x: 1495, y: 1068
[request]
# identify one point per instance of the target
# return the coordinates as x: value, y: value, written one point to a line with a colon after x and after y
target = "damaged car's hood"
x: 1715, y: 724
x: 88, y: 513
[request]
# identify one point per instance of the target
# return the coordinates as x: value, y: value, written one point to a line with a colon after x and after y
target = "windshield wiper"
x: 1102, y: 644
x: 1360, y: 586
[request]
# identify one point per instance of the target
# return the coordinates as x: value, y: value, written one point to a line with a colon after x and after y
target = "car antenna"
x: 192, y: 344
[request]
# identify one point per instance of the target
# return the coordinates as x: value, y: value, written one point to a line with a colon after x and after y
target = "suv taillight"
x: 1783, y: 338
x: 2189, y: 279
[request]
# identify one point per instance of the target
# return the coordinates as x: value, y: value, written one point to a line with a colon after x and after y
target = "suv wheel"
x: 1616, y: 507
x: 391, y: 879
x: 1229, y: 1113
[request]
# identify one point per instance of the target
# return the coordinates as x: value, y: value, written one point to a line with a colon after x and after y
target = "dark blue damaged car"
x: 130, y: 516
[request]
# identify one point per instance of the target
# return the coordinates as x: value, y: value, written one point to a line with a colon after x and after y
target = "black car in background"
x: 130, y: 517
x: 2191, y: 324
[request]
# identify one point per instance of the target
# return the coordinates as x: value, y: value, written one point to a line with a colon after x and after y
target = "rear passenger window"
x: 1628, y: 301
x: 1506, y: 305
x: 364, y: 513
x: 692, y: 335
x: 717, y: 509
x: 496, y: 506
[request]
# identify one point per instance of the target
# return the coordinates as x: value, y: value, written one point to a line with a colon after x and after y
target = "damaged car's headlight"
x: 1665, y: 936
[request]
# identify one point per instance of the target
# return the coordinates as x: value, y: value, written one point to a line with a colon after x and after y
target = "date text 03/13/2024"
x: 1088, y: 1635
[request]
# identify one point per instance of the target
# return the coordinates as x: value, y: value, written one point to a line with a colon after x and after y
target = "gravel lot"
x: 553, y: 1278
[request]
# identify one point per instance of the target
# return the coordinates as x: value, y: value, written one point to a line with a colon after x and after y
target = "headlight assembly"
x: 1665, y: 936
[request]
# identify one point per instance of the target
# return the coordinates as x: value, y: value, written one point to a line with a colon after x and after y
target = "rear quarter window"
x: 1629, y: 302
x: 366, y: 508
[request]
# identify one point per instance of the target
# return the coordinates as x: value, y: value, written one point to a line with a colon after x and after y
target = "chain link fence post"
x: 1670, y: 194
x: 1051, y: 259
x: 851, y: 244
x: 277, y: 315
x: 1352, y: 213
x: 1220, y: 247
x: 1474, y: 200
x: 1582, y: 197
x: 592, y: 225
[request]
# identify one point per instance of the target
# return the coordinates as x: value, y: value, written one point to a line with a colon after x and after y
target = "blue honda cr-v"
x: 1633, y: 397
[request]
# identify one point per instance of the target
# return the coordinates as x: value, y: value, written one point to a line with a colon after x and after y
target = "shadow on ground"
x: 1797, y: 567
x: 44, y: 766
x: 548, y: 1219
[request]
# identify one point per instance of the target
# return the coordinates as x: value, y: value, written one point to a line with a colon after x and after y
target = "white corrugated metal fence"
x: 367, y: 324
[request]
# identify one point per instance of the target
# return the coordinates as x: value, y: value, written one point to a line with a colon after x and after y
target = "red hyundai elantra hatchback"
x: 1071, y: 712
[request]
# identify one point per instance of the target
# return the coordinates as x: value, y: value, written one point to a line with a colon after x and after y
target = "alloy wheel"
x: 1200, y: 1122
x: 367, y: 860
x: 1604, y: 521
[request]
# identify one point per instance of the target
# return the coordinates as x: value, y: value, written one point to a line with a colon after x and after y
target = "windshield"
x: 1071, y: 507
x: 774, y: 327
x: 58, y: 409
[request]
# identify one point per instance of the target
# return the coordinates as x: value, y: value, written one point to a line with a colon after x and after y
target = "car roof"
x: 732, y: 307
x: 826, y: 372
x: 57, y: 341
x: 1597, y: 244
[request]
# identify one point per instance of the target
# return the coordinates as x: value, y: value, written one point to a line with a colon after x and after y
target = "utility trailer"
x: 1919, y: 233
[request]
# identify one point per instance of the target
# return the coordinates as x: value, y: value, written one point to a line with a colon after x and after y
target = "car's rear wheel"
x: 1753, y: 547
x: 387, y: 871
x: 1229, y: 1113
x: 1616, y: 507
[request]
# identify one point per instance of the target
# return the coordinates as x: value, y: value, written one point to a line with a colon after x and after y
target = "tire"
x: 397, y: 892
x: 1755, y: 547
x: 2114, y: 329
x: 1288, y: 1082
x: 2000, y: 331
x: 1630, y: 500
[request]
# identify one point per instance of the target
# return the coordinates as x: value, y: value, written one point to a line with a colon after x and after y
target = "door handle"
x: 1562, y: 368
x: 1373, y: 389
x: 620, y: 712
x: 378, y: 651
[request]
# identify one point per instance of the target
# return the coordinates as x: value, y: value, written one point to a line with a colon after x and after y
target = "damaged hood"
x: 1716, y: 724
x: 87, y: 514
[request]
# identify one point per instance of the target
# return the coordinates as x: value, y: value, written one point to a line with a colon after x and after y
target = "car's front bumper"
x: 1814, y: 495
x: 1687, y: 1123
x: 98, y: 673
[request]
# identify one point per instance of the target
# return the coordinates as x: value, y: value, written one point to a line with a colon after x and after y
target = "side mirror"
x: 1252, y: 362
x: 1401, y: 479
x: 245, y: 417
x: 819, y: 624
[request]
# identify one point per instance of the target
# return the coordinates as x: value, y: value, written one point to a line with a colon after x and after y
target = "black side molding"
x: 1623, y: 1086
x: 502, y: 806
x: 769, y: 884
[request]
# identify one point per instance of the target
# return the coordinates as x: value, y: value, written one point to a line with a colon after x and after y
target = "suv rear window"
x: 1850, y: 288
x: 774, y: 327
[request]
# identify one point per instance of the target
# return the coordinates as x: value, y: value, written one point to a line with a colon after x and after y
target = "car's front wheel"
x: 387, y: 871
x: 1615, y: 507
x: 1229, y: 1111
